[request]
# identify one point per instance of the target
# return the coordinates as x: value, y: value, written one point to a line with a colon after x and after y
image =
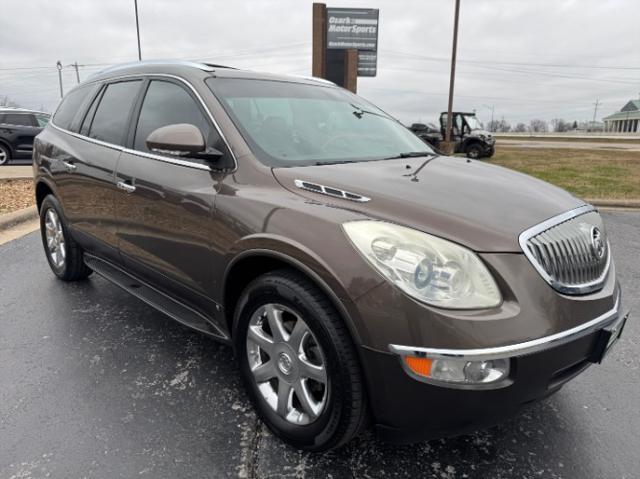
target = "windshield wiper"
x: 411, y: 154
x: 359, y: 112
x: 335, y: 162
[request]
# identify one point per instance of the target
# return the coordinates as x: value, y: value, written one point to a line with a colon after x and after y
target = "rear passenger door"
x: 165, y: 206
x: 89, y: 162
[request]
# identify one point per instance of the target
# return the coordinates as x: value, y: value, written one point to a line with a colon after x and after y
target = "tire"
x: 63, y: 253
x: 343, y: 407
x: 5, y: 155
x: 474, y: 151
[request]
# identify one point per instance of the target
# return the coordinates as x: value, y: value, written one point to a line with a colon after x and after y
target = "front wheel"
x: 63, y: 253
x: 298, y: 362
x: 474, y: 151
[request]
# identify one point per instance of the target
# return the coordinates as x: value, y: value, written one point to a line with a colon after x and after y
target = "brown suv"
x: 358, y: 275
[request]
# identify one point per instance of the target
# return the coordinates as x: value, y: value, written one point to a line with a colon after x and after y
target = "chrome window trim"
x: 166, y: 159
x: 526, y: 235
x: 518, y: 349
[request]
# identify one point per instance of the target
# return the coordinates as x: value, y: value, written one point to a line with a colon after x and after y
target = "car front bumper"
x: 407, y: 409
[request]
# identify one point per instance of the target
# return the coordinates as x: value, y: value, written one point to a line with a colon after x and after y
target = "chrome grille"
x: 570, y: 251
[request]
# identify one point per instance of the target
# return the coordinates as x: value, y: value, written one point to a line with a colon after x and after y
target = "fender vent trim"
x: 331, y: 191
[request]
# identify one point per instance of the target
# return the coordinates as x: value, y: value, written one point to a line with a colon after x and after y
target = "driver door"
x: 164, y: 204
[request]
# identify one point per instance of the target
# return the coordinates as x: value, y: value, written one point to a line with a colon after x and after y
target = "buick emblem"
x: 597, y: 243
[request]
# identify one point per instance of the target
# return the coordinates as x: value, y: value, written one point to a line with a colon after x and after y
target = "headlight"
x: 428, y: 268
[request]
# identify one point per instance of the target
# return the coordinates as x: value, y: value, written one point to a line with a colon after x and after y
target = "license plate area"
x: 606, y: 338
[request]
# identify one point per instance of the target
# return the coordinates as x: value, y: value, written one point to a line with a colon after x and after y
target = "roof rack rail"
x: 215, y: 65
x: 317, y: 79
x: 193, y: 64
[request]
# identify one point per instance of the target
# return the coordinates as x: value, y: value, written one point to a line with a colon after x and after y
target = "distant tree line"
x: 536, y: 125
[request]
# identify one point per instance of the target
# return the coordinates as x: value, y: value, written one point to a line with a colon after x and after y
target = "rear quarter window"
x: 71, y: 106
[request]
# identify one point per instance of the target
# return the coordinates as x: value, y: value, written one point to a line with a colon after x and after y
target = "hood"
x: 480, y: 132
x: 484, y: 207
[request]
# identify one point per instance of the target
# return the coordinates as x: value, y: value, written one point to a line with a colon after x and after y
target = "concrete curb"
x: 605, y: 203
x: 16, y: 217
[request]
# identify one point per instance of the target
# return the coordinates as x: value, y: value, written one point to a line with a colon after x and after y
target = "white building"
x: 627, y: 120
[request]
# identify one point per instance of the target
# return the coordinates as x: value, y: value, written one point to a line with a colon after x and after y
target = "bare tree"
x: 559, y: 125
x: 500, y: 126
x: 538, y: 126
x: 520, y: 128
x: 6, y: 101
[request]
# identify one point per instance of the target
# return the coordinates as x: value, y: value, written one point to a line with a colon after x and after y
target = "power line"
x: 529, y: 72
x: 498, y: 62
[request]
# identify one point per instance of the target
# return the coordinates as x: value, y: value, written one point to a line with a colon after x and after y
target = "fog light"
x: 458, y: 370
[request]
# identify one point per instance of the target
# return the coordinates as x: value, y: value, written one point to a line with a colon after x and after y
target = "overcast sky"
x: 528, y: 58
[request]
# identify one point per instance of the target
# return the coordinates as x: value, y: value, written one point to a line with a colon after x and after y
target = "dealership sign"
x: 355, y: 28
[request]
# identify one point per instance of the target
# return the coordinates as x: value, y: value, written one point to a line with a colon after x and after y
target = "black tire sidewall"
x: 320, y: 432
x: 50, y: 202
x: 474, y: 147
x: 7, y: 153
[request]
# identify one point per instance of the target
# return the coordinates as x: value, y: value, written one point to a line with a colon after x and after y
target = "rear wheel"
x: 63, y: 253
x: 5, y: 155
x: 298, y: 362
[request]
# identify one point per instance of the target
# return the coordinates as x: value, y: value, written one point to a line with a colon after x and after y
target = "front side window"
x: 166, y: 103
x: 293, y: 124
x: 111, y: 117
x: 70, y: 106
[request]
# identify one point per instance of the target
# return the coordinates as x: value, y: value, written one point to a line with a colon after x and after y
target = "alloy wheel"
x: 287, y: 364
x: 4, y: 156
x: 55, y: 238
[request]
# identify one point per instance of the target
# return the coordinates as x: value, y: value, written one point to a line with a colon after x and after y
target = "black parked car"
x: 18, y: 128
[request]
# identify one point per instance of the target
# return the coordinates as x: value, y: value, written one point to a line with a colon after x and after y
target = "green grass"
x: 586, y: 173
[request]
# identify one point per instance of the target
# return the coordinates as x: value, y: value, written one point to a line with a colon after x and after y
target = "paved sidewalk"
x: 16, y: 172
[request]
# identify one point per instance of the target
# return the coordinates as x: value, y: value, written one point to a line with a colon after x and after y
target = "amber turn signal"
x: 420, y: 366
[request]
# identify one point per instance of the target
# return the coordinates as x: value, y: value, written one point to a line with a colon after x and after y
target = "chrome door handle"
x: 123, y: 185
x: 70, y: 167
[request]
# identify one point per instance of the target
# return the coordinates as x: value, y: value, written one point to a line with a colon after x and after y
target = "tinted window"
x: 167, y: 104
x: 86, y: 124
x: 20, y: 119
x: 111, y: 117
x: 42, y: 120
x: 70, y: 106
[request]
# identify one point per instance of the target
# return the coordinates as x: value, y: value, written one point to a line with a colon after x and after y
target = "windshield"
x: 473, y: 122
x: 294, y: 124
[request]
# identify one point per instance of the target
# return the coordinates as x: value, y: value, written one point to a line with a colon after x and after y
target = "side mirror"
x: 181, y: 139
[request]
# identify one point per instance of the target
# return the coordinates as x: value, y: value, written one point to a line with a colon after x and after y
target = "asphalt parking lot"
x: 97, y: 384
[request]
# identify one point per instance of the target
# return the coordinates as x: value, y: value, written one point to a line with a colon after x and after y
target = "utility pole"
x: 135, y: 2
x: 75, y: 65
x: 595, y: 111
x: 59, y: 67
x: 448, y: 146
x: 492, y: 108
